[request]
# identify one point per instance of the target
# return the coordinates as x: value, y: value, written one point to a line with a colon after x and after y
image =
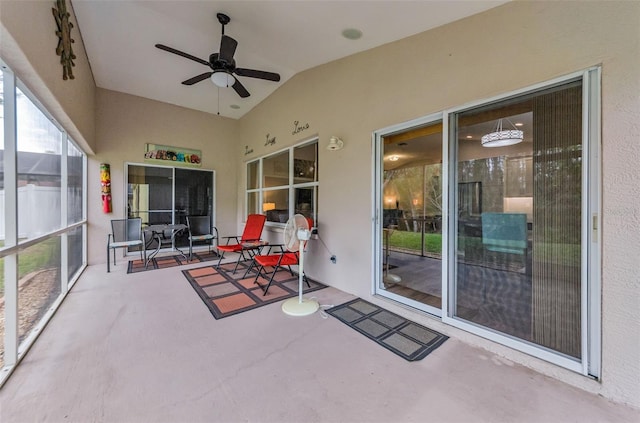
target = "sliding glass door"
x: 410, y: 231
x: 501, y: 206
x: 167, y: 195
x: 518, y: 227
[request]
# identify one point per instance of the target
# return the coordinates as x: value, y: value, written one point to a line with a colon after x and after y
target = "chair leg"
x: 266, y: 287
x: 190, y: 249
x: 108, y: 260
x: 220, y: 261
x: 269, y: 284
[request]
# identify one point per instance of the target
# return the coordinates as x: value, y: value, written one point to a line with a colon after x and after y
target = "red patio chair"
x: 278, y: 261
x: 247, y: 242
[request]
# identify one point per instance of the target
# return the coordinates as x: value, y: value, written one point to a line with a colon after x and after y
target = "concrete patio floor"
x: 144, y: 348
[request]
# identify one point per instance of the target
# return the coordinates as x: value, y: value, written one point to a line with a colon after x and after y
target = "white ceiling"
x: 285, y: 37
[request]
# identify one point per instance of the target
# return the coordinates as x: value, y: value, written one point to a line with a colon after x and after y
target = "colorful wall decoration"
x: 172, y: 156
x: 105, y: 182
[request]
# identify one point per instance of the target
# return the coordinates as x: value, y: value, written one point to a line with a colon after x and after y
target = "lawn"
x: 40, y: 256
x: 412, y: 241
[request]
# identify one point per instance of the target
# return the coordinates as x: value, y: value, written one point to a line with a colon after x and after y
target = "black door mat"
x: 407, y: 339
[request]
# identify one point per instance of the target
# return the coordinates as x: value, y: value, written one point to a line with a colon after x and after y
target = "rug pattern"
x: 405, y: 338
x: 225, y: 293
x: 165, y: 262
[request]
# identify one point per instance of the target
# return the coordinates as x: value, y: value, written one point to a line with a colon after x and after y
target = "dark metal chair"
x: 201, y: 230
x: 125, y: 233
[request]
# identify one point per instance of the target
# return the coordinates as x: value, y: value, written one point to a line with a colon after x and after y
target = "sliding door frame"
x: 591, y: 221
x: 377, y: 211
x: 589, y: 363
x: 173, y: 193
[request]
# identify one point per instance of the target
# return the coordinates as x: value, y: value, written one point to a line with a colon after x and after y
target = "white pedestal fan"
x: 296, y: 234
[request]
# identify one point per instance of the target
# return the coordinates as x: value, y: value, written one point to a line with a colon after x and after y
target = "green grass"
x: 412, y: 241
x: 40, y: 256
x: 559, y: 254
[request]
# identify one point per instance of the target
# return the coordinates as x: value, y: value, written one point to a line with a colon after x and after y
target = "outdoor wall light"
x: 335, y: 143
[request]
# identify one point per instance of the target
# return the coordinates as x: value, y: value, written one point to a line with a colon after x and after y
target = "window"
x: 284, y: 183
x: 42, y: 217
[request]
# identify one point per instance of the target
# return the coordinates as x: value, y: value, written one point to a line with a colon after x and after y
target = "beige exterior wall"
x: 125, y: 123
x: 507, y: 48
x: 27, y: 43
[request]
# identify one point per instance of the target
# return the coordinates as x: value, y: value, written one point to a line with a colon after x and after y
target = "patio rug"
x: 164, y: 262
x: 407, y: 339
x: 226, y: 293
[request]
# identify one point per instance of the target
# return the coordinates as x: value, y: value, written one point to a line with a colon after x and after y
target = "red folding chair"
x: 278, y: 261
x: 246, y: 242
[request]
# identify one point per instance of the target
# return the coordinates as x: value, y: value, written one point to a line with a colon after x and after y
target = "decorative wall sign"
x: 298, y: 127
x: 105, y: 184
x: 270, y: 141
x: 173, y: 156
x: 247, y: 150
x: 64, y: 49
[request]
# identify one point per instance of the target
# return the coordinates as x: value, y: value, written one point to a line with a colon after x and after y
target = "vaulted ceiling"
x: 284, y: 37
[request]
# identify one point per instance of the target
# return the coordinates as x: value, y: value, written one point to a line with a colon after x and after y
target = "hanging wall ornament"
x: 64, y: 49
x: 105, y: 182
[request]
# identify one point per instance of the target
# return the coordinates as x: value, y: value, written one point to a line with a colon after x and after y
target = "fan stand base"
x: 293, y: 307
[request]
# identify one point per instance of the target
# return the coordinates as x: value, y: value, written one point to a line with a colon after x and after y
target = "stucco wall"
x: 27, y: 43
x: 125, y: 123
x: 507, y: 48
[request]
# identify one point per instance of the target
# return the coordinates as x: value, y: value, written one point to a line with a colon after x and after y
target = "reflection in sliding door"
x: 518, y: 231
x: 411, y: 224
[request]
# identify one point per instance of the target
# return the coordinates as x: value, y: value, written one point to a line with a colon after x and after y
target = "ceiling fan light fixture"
x: 222, y: 79
x: 502, y: 138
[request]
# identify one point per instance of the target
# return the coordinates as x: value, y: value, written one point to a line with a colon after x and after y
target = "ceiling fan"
x: 223, y: 66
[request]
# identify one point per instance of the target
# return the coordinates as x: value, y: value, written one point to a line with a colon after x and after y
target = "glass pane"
x: 276, y: 205
x: 305, y: 201
x: 412, y: 214
x: 519, y: 217
x: 74, y: 187
x: 194, y: 197
x: 39, y: 149
x: 74, y: 246
x: 149, y: 194
x: 253, y: 179
x: 305, y: 163
x: 276, y: 170
x: 2, y: 316
x: 38, y: 283
x: 252, y: 203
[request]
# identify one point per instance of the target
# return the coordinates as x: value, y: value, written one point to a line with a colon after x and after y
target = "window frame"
x: 14, y: 349
x: 290, y: 186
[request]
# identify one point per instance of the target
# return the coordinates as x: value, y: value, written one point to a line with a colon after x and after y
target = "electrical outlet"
x: 333, y: 259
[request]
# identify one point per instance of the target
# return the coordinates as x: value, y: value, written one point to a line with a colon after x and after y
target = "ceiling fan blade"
x: 227, y: 49
x: 183, y: 54
x: 252, y: 73
x: 240, y: 89
x: 197, y: 79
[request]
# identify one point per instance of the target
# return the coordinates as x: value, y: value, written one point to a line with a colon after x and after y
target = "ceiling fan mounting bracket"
x: 223, y: 19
